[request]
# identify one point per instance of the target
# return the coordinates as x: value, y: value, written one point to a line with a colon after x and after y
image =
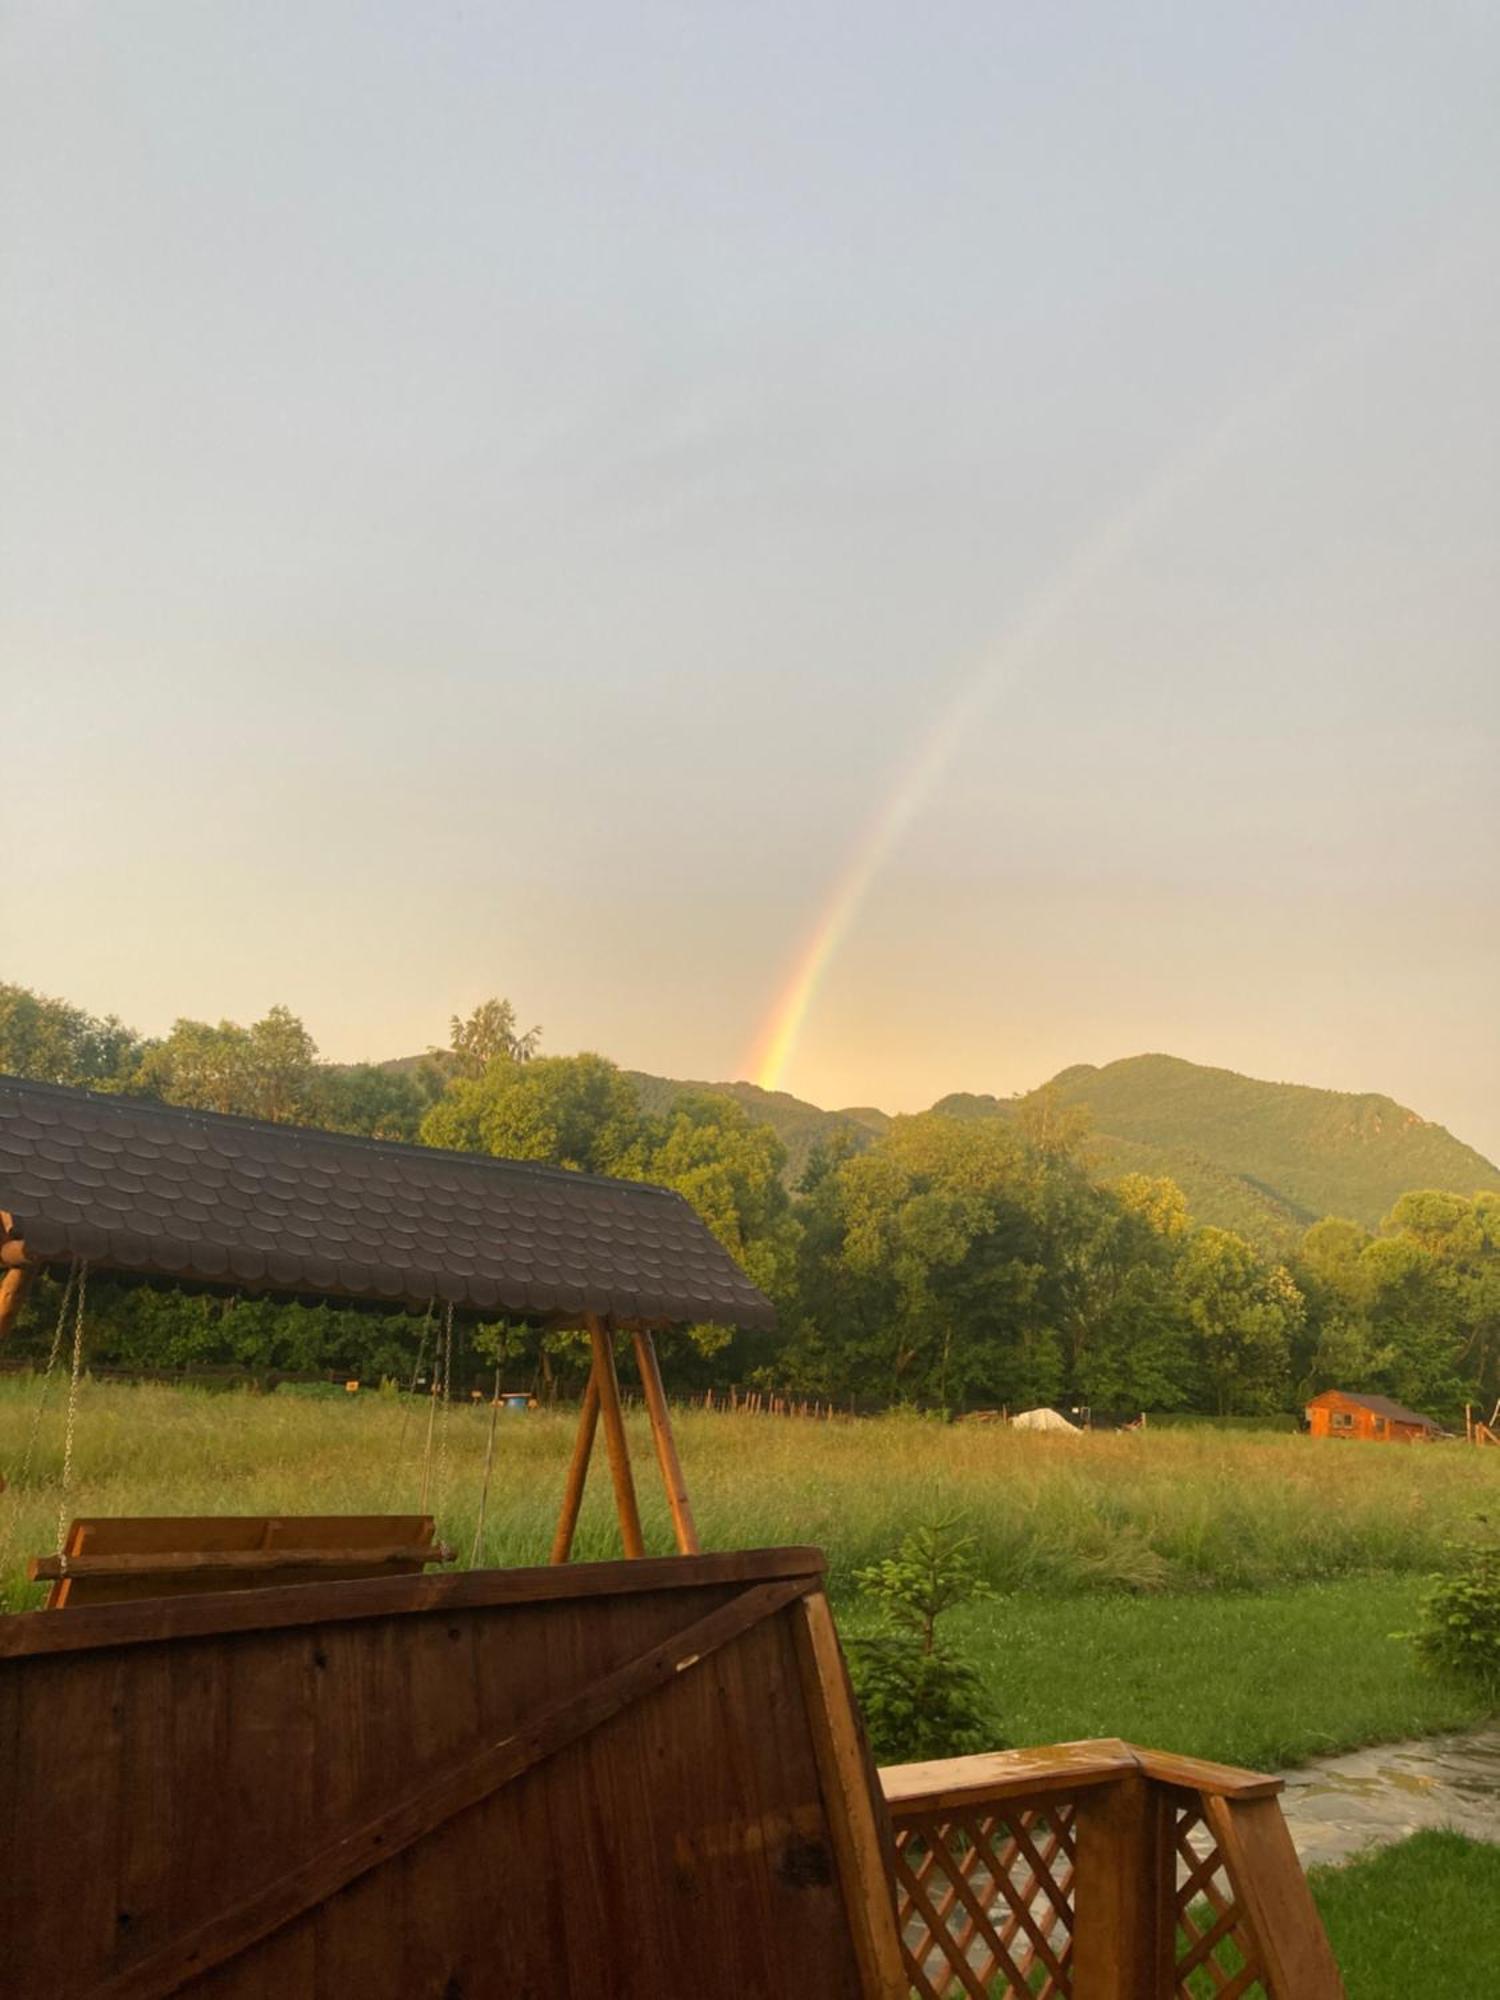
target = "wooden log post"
x: 1123, y: 1942
x: 578, y: 1472
x: 608, y: 1386
x: 683, y: 1525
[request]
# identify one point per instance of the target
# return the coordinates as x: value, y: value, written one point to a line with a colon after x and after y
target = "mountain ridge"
x: 1263, y: 1158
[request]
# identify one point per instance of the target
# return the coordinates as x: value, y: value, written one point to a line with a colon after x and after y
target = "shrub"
x: 1460, y: 1625
x: 920, y: 1697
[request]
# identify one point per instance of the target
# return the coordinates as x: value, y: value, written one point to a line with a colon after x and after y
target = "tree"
x: 570, y: 1111
x: 48, y: 1041
x: 377, y: 1102
x: 1243, y: 1316
x: 206, y: 1068
x: 268, y: 1070
x: 924, y: 1276
x: 489, y: 1035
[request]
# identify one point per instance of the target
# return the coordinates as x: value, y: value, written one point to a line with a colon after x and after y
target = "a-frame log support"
x: 15, y: 1272
x: 602, y: 1399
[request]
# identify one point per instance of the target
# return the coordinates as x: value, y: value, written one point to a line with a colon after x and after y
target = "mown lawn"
x: 1262, y: 1678
x: 1414, y: 1921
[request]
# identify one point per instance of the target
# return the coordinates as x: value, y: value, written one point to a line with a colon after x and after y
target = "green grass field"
x: 1231, y: 1595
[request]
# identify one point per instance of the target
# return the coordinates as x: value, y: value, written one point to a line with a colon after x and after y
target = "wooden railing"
x: 1096, y: 1871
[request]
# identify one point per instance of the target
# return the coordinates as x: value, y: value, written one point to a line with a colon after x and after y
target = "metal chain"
x: 72, y: 1418
x: 23, y: 1477
x: 442, y: 1471
x: 439, y: 1388
x: 489, y: 1461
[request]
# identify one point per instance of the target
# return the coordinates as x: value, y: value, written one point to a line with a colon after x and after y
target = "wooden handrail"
x: 1136, y: 1868
x: 1010, y: 1774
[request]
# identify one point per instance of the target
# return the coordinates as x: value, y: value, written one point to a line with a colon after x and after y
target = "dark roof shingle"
x: 142, y: 1187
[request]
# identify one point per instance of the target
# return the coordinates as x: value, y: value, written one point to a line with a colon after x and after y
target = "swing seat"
x: 116, y: 1560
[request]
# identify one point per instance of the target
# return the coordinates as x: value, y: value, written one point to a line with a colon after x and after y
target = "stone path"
x: 1369, y: 1797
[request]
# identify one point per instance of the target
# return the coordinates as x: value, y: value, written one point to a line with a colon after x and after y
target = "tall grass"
x: 1159, y: 1511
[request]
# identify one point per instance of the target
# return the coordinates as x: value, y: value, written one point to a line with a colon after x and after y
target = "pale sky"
x: 498, y: 498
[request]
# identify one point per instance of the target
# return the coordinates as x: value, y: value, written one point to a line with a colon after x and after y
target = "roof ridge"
x: 274, y: 1128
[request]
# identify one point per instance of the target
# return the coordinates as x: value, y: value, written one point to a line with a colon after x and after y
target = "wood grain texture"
x: 617, y: 1790
x: 32, y: 1633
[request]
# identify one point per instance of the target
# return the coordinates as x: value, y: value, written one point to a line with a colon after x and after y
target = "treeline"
x: 952, y: 1263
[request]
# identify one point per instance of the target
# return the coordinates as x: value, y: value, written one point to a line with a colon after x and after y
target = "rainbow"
x: 776, y: 1039
x: 1090, y: 562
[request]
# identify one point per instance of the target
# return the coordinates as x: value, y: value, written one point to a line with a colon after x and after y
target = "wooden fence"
x: 1104, y: 1872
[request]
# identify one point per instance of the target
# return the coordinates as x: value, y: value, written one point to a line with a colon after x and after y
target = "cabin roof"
x: 201, y: 1198
x: 1379, y: 1406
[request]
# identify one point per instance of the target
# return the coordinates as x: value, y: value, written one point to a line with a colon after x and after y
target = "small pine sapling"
x: 921, y: 1698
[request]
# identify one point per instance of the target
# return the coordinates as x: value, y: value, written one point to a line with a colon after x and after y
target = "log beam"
x: 683, y: 1524
x: 608, y: 1385
x: 578, y: 1472
x: 14, y: 1286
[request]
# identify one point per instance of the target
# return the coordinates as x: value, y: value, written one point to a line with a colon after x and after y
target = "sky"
x: 880, y: 549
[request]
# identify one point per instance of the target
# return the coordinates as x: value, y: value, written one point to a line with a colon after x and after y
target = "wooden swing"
x: 116, y: 1559
x: 362, y: 1220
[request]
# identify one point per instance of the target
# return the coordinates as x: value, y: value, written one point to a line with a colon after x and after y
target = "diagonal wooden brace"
x: 466, y: 1784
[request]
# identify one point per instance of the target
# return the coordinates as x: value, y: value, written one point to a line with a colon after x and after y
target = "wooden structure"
x: 641, y: 1779
x: 1338, y: 1414
x: 1100, y: 1872
x: 194, y: 1198
x: 119, y: 1559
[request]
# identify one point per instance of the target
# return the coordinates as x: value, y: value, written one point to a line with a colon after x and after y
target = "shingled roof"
x: 146, y: 1188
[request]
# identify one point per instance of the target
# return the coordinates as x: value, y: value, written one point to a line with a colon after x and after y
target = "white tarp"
x: 1043, y: 1420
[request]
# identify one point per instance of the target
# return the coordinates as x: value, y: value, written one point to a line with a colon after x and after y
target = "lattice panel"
x: 1216, y: 1957
x: 984, y: 1902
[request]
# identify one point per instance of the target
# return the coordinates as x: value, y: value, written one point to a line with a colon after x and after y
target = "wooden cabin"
x: 1338, y: 1414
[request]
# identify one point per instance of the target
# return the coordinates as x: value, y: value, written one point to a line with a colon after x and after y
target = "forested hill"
x: 1265, y: 1159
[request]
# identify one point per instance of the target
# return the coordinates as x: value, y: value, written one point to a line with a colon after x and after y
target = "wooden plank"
x: 615, y: 1441
x: 60, y: 1918
x: 145, y: 1534
x: 231, y: 1562
x: 954, y: 1782
x: 436, y: 1801
x: 683, y: 1524
x: 578, y: 1472
x: 1272, y: 1891
x: 1194, y: 1774
x: 27, y: 1634
x: 849, y: 1798
x: 365, y: 1715
x: 442, y: 1937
